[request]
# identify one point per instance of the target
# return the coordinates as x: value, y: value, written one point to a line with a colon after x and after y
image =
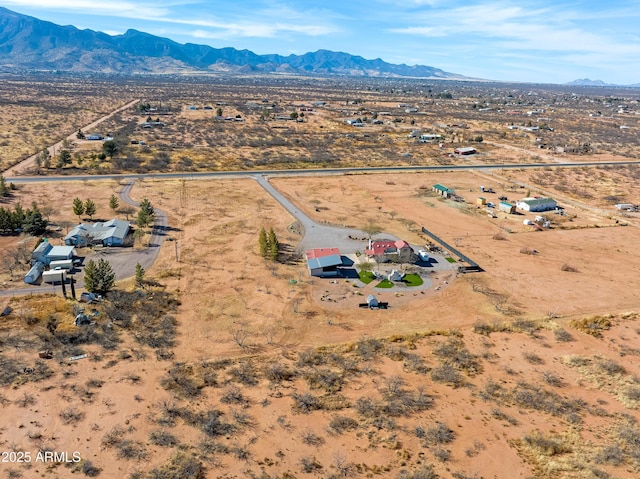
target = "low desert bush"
x: 593, y: 325
x: 569, y: 268
x: 339, y: 424
x: 163, y: 438
x: 306, y: 402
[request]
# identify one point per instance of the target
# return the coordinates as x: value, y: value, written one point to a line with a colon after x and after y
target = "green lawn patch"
x: 412, y: 280
x: 366, y: 276
x: 450, y: 260
x: 385, y: 283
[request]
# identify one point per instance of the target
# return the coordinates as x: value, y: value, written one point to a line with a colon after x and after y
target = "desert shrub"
x: 442, y: 454
x: 244, y: 373
x: 632, y: 393
x: 156, y: 333
x: 439, y: 434
x: 233, y: 395
x: 310, y: 464
x: 339, y: 424
x: 414, y: 363
x: 498, y: 414
x: 532, y: 358
x: 71, y: 416
x: 423, y: 472
x: 163, y: 438
x: 179, y: 466
x: 499, y: 236
x: 610, y: 367
x: 454, y: 353
x: 593, y: 325
x: 25, y: 400
x: 11, y: 370
x: 552, y: 379
x: 130, y: 449
x: 368, y: 348
x: 243, y: 419
x: 180, y: 380
x: 310, y: 357
x: 89, y: 470
x: 548, y: 446
x: 310, y: 438
x: 211, y: 424
x: 569, y: 268
x: 278, y: 372
x: 306, y: 402
x: 447, y: 374
x: 368, y: 407
x: 562, y: 335
x: 326, y: 379
x: 240, y: 452
x: 612, y: 455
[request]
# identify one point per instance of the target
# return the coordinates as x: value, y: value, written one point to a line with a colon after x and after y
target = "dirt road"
x: 24, y: 166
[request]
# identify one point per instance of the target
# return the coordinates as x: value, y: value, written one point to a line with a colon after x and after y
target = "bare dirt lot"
x: 228, y: 368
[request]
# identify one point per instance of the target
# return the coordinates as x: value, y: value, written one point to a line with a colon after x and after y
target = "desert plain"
x: 224, y: 364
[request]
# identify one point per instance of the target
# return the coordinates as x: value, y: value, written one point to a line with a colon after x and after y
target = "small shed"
x: 34, y: 273
x: 372, y: 301
x: 442, y: 190
x: 469, y: 150
x: 481, y: 201
x: 507, y: 207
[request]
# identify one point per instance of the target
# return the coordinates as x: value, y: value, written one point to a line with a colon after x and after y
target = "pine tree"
x: 140, y: 272
x: 113, y: 202
x: 90, y: 208
x: 99, y: 276
x: 263, y: 242
x: 78, y: 208
x: 274, y: 245
x: 34, y: 224
x: 146, y: 213
x: 4, y: 189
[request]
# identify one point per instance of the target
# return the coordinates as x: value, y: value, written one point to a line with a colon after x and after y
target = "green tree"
x: 34, y: 224
x: 113, y: 202
x: 4, y: 188
x: 110, y: 148
x: 90, y: 208
x: 274, y: 245
x: 64, y: 158
x: 80, y: 134
x: 99, y: 276
x: 78, y: 208
x: 294, y: 115
x: 146, y: 213
x: 140, y: 272
x: 43, y: 159
x: 263, y: 242
x: 218, y: 111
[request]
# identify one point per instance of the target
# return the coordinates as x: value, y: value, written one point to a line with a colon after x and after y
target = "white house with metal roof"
x: 108, y: 233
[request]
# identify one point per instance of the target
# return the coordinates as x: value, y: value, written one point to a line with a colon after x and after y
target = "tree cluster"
x: 269, y: 244
x: 87, y: 207
x: 30, y: 221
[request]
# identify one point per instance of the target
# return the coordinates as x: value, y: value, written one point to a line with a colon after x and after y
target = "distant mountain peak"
x: 588, y: 82
x: 35, y: 44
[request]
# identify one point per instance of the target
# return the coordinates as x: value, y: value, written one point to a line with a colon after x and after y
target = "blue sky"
x: 543, y: 41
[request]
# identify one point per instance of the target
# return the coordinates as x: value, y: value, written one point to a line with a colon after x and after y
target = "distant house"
x: 109, y: 233
x: 536, y: 204
x: 384, y: 251
x: 94, y: 137
x: 429, y: 137
x: 469, y: 150
x: 324, y: 262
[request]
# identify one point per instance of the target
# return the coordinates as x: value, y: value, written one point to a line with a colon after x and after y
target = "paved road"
x: 28, y: 164
x: 320, y: 172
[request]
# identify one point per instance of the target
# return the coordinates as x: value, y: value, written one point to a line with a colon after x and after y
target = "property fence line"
x: 471, y: 265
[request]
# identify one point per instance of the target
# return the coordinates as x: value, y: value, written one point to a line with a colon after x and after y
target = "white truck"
x: 54, y: 276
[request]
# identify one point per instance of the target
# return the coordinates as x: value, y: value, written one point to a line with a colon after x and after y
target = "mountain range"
x: 27, y: 43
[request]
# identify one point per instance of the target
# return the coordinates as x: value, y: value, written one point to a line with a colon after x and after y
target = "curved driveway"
x: 315, y: 234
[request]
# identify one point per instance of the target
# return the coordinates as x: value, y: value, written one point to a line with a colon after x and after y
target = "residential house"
x: 109, y: 233
x: 45, y: 253
x: 469, y: 150
x: 386, y: 251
